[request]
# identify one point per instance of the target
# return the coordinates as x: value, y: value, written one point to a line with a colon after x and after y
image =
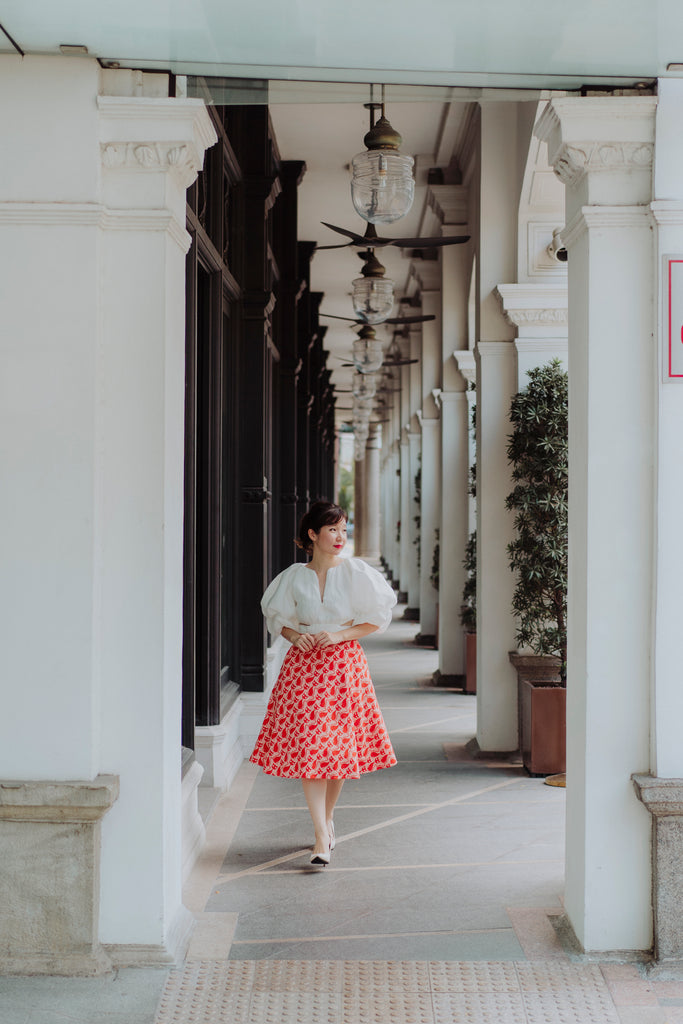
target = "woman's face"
x: 331, y: 539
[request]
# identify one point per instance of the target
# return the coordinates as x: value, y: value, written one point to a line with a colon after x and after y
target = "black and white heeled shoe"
x: 320, y: 860
x: 323, y: 859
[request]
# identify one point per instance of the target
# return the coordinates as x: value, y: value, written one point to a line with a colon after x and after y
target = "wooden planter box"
x: 470, y: 663
x: 542, y: 714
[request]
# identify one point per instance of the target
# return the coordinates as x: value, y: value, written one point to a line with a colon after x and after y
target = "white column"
x: 93, y: 364
x: 430, y: 506
x: 450, y: 203
x: 667, y: 749
x: 406, y: 553
x: 496, y: 678
x: 413, y: 579
x: 496, y: 384
x: 359, y: 507
x: 454, y: 530
x: 372, y: 493
x: 602, y: 149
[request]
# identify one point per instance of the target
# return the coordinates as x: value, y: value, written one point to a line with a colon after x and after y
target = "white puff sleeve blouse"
x: 354, y: 593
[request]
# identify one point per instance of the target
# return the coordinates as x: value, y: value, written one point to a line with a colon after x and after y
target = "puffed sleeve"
x: 371, y: 596
x: 278, y: 604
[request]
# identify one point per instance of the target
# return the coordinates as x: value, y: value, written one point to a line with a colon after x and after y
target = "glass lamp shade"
x: 358, y: 453
x: 367, y: 355
x: 364, y: 385
x: 382, y: 185
x: 373, y: 298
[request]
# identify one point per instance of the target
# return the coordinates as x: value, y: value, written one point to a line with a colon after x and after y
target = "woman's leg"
x: 334, y: 788
x: 315, y: 792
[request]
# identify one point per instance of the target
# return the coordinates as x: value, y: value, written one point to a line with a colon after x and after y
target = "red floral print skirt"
x: 323, y: 720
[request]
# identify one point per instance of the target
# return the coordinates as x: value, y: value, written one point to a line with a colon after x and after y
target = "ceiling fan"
x: 392, y: 320
x: 371, y: 240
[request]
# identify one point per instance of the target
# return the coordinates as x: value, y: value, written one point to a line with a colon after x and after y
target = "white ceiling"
x: 326, y: 136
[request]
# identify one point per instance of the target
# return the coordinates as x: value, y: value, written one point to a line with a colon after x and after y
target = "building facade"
x: 169, y: 410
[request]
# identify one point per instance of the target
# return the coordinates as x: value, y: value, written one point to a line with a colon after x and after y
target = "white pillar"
x: 94, y: 438
x: 406, y: 553
x: 430, y: 505
x: 454, y: 530
x: 496, y: 678
x: 372, y: 493
x: 414, y: 467
x: 359, y: 509
x: 450, y: 204
x: 667, y: 749
x: 602, y: 149
x: 496, y: 384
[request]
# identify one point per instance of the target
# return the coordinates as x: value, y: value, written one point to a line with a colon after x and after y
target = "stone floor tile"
x: 632, y: 993
x: 673, y: 1015
x: 478, y: 1008
x: 535, y: 933
x: 474, y: 977
x: 667, y: 988
x: 291, y: 1008
x: 644, y: 1015
x: 297, y: 976
x: 364, y: 976
x: 381, y: 1006
x: 620, y: 972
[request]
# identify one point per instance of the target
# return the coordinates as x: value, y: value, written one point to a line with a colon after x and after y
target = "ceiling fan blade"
x: 409, y: 319
x: 349, y: 319
x: 429, y: 243
x: 342, y: 245
x: 400, y: 362
x: 356, y: 239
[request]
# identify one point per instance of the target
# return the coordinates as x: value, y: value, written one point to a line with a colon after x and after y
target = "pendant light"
x: 373, y: 293
x: 364, y: 385
x: 382, y: 184
x: 368, y: 352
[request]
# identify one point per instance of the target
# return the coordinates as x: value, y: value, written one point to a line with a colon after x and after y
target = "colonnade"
x: 503, y: 305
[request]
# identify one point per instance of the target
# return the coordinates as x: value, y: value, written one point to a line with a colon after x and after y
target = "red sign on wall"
x: 675, y: 314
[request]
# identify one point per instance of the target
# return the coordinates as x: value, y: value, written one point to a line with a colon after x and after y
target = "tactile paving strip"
x: 385, y: 992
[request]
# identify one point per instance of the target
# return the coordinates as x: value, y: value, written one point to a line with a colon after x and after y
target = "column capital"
x: 148, y: 134
x: 588, y: 134
x: 534, y: 305
x: 466, y: 364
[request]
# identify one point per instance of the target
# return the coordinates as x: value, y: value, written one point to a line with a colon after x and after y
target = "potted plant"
x: 538, y: 451
x: 468, y: 613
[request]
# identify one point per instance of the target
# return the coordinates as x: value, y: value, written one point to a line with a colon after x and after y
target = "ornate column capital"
x: 598, y: 134
x: 466, y: 364
x: 534, y: 305
x: 148, y: 134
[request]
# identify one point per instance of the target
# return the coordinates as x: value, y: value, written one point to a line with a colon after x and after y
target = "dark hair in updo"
x: 321, y: 513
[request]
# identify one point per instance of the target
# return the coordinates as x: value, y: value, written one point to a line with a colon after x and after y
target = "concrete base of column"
x: 50, y: 877
x: 412, y: 614
x: 664, y: 800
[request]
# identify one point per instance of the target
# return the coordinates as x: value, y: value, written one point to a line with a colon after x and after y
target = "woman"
x: 323, y: 724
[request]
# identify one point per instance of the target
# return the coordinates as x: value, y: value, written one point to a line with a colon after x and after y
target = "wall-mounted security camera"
x: 556, y: 250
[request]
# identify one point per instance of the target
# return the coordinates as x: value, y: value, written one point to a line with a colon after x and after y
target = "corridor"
x: 436, y: 906
x: 435, y: 909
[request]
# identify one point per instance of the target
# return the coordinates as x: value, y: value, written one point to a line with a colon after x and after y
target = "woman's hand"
x: 304, y: 642
x: 325, y: 639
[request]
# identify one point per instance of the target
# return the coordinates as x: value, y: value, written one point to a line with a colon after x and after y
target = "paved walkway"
x: 437, y: 907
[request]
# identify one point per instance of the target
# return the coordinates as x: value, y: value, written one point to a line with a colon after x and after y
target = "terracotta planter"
x: 470, y: 663
x: 542, y: 714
